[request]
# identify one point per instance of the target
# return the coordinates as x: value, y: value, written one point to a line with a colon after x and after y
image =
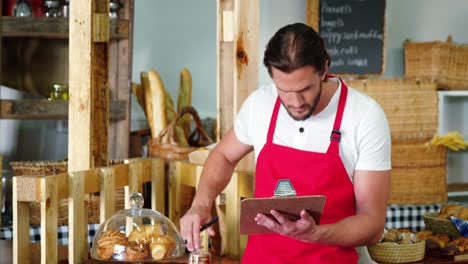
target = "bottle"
x: 22, y: 9
x: 52, y: 8
x: 200, y: 256
x: 60, y: 92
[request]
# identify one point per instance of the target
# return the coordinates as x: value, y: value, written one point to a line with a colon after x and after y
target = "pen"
x: 205, y: 226
x: 211, y: 222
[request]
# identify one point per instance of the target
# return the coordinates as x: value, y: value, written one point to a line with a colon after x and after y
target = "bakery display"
x: 137, y: 234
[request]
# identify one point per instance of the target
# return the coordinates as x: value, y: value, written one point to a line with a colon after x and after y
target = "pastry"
x: 161, y: 247
x: 449, y: 210
x: 136, y: 252
x: 391, y: 236
x: 462, y: 213
x: 143, y: 234
x: 108, y: 242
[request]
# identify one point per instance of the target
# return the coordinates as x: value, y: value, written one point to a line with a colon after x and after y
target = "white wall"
x: 421, y: 20
x: 172, y: 34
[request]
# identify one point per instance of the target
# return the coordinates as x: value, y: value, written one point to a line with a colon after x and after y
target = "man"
x: 324, y: 137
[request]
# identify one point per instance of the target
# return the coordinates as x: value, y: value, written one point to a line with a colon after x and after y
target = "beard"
x: 311, y: 107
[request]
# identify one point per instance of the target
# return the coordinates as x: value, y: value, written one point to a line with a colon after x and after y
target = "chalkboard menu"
x: 353, y: 31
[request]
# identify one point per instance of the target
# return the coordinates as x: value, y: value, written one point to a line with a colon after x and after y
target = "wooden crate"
x: 411, y: 105
x: 43, y: 168
x: 444, y: 62
x: 49, y: 190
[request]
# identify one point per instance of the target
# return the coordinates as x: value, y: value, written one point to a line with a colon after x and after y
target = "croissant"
x: 107, y: 243
x: 136, y: 252
x: 143, y: 234
x: 161, y: 247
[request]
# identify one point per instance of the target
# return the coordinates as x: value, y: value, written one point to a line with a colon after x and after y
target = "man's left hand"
x: 302, y: 229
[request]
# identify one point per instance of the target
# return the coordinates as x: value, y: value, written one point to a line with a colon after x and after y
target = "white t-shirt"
x: 365, y: 135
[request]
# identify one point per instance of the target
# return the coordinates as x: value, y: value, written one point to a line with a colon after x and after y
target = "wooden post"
x: 241, y: 185
x: 158, y: 184
x: 89, y: 88
x: 20, y: 227
x: 120, y: 78
x: 237, y: 62
x: 174, y: 196
x: 107, y: 202
x: 312, y: 14
x: 49, y: 217
x: 78, y: 218
x: 135, y: 170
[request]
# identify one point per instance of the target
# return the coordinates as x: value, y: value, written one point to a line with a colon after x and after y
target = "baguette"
x: 156, y: 98
x: 147, y: 101
x: 139, y: 93
x: 185, y: 99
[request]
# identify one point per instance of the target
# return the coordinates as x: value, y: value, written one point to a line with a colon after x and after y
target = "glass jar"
x: 114, y: 7
x: 66, y: 8
x: 137, y: 235
x: 59, y: 92
x: 52, y: 9
x: 200, y: 256
x: 22, y: 8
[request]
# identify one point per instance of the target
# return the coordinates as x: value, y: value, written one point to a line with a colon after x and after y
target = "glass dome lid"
x: 137, y: 234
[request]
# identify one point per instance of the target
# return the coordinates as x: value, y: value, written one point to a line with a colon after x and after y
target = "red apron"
x: 310, y: 173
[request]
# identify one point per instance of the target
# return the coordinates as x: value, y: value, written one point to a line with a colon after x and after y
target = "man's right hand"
x: 191, y: 223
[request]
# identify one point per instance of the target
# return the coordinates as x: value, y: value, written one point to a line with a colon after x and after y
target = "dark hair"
x: 294, y: 46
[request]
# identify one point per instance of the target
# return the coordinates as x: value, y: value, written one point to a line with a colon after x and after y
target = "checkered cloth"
x: 398, y: 216
x: 6, y: 233
x: 409, y: 216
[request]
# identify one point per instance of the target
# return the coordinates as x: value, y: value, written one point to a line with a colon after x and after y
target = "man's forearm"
x: 216, y: 174
x: 353, y: 231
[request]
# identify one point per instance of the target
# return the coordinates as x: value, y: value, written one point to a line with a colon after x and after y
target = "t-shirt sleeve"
x: 242, y: 122
x: 374, y: 141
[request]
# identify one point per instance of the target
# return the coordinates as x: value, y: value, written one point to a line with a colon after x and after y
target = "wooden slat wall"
x: 237, y: 63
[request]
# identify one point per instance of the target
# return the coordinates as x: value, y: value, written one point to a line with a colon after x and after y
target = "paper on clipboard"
x: 288, y: 206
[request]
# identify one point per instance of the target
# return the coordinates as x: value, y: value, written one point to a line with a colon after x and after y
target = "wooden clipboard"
x: 288, y: 206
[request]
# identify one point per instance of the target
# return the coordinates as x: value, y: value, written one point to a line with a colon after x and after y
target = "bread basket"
x: 391, y: 252
x: 440, y: 225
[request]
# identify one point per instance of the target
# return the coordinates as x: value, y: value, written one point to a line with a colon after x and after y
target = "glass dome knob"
x: 136, y: 201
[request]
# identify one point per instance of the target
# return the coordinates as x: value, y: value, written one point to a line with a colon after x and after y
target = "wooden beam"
x: 237, y: 63
x: 47, y: 27
x: 53, y: 110
x: 89, y: 91
x: 312, y: 14
x: 21, y: 219
x: 107, y: 202
x: 49, y: 218
x: 77, y: 218
x: 120, y: 80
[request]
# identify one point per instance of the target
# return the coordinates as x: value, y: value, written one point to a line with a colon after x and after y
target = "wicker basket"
x: 40, y: 168
x: 410, y: 105
x: 418, y: 173
x: 172, y: 150
x: 440, y: 225
x: 444, y: 62
x: 390, y: 252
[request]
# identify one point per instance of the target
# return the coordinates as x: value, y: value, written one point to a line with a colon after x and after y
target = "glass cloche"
x: 137, y: 234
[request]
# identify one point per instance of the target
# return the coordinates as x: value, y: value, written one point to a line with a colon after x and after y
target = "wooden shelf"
x: 54, y: 110
x: 52, y: 27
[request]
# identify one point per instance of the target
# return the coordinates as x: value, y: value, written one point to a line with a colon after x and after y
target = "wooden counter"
x: 6, y: 256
